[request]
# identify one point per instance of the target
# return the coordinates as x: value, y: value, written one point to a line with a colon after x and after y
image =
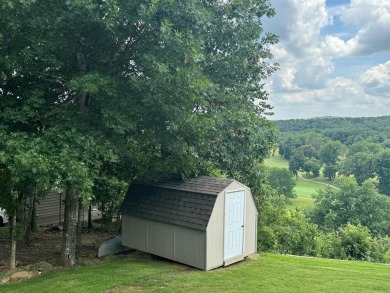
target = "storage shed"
x: 204, y: 222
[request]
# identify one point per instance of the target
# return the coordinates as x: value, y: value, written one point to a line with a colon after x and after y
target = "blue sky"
x: 334, y: 58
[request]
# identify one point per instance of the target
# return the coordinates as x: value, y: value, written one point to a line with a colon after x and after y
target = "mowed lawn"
x: 268, y: 273
x: 304, y: 189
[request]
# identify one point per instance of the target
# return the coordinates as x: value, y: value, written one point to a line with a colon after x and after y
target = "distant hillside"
x: 341, y: 128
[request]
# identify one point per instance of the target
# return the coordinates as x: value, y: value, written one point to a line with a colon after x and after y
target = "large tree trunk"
x: 12, y: 264
x: 69, y: 237
x: 79, y: 228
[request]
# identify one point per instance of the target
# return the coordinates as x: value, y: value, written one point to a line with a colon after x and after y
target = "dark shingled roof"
x: 186, y: 203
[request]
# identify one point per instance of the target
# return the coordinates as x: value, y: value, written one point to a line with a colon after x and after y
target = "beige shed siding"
x: 160, y: 237
x: 250, y: 245
x: 215, y: 234
x: 166, y: 240
x: 190, y: 247
x: 134, y: 232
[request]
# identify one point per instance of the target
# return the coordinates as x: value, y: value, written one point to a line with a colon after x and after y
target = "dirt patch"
x: 17, y: 276
x: 46, y: 247
x: 123, y: 289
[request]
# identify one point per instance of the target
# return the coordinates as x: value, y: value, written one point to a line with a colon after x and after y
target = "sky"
x: 334, y: 58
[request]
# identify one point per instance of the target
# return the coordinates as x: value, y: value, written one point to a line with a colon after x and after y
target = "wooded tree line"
x: 95, y: 94
x: 344, y: 129
x: 351, y: 222
x: 363, y: 158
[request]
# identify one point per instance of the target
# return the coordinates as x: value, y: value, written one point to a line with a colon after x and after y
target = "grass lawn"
x: 269, y: 273
x: 276, y: 161
x: 304, y: 189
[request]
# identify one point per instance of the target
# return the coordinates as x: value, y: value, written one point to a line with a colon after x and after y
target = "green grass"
x: 269, y: 273
x: 304, y: 189
x: 276, y: 161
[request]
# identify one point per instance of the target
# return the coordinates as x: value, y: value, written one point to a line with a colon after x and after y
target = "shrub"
x: 355, y: 241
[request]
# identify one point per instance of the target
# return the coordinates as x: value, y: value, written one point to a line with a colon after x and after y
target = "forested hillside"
x: 344, y: 129
x: 341, y: 146
x: 350, y: 221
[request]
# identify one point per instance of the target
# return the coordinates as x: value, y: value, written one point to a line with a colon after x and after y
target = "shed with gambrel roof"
x: 204, y: 222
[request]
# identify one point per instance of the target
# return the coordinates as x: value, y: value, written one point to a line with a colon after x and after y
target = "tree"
x: 352, y: 204
x: 296, y: 162
x: 351, y: 242
x: 309, y: 151
x: 282, y: 180
x: 330, y: 152
x: 287, y: 144
x: 330, y: 171
x: 296, y: 234
x: 383, y: 171
x: 312, y: 165
x: 355, y: 241
x: 176, y: 85
x: 360, y: 165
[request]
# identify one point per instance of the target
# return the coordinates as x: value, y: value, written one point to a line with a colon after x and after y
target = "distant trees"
x: 296, y: 162
x: 308, y: 151
x: 329, y: 155
x: 361, y: 165
x: 382, y: 167
x: 305, y: 158
x: 357, y: 155
x: 350, y: 223
x: 282, y: 181
x: 313, y: 166
x: 344, y: 129
x: 352, y: 204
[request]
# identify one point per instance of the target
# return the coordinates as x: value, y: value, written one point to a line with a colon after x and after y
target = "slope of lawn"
x: 304, y: 189
x: 269, y: 273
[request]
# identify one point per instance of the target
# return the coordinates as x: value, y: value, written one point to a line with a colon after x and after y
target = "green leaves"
x: 282, y: 180
x: 165, y: 88
x: 383, y: 171
x: 352, y: 204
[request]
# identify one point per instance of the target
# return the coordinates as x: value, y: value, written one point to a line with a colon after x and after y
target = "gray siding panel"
x: 215, y: 234
x: 50, y: 209
x: 177, y: 243
x: 134, y: 232
x: 160, y: 239
x: 190, y: 247
x: 250, y: 227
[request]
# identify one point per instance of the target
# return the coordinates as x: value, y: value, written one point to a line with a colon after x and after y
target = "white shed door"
x: 234, y: 224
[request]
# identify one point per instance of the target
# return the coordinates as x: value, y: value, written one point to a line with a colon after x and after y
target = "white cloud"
x: 376, y: 80
x: 298, y: 24
x: 372, y: 21
x: 327, y: 75
x: 335, y: 46
x: 339, y: 97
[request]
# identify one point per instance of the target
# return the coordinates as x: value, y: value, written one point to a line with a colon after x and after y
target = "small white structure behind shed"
x: 204, y: 222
